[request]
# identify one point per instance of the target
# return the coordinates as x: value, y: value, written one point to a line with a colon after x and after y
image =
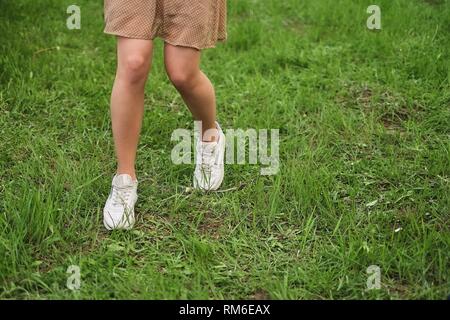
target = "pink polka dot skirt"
x: 198, y: 24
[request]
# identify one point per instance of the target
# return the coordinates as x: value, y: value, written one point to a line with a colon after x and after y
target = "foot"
x: 119, y: 208
x: 209, y: 170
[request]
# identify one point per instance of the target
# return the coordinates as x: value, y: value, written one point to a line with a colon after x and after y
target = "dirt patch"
x: 210, y: 226
x: 260, y: 295
x: 393, y: 120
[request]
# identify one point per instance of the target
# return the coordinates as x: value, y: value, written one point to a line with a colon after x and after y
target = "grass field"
x: 364, y: 119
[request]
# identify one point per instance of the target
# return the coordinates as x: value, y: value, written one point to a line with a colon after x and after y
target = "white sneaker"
x: 119, y: 208
x: 209, y: 169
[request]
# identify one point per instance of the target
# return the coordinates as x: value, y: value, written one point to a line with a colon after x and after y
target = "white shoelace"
x: 207, y: 159
x: 120, y: 196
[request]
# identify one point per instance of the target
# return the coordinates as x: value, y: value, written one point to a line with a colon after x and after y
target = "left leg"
x: 183, y: 68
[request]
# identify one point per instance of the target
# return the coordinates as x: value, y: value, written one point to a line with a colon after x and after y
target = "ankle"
x: 210, y: 135
x: 131, y: 173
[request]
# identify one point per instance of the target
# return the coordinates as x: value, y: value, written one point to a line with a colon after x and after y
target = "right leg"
x: 134, y: 58
x: 127, y: 109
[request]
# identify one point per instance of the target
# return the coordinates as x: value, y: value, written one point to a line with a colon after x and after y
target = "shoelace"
x: 120, y: 196
x: 207, y: 160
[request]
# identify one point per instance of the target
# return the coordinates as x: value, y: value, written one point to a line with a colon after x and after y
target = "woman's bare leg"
x: 127, y: 100
x: 183, y: 69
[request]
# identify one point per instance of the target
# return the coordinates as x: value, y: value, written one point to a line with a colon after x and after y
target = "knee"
x: 182, y: 80
x: 135, y: 69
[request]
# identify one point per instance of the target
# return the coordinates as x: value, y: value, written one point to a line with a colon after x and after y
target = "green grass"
x: 364, y: 120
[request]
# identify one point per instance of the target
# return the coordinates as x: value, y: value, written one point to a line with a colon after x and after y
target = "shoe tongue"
x: 123, y: 180
x: 208, y: 145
